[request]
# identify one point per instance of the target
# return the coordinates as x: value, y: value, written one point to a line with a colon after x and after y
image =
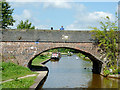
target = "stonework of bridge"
x: 22, y: 46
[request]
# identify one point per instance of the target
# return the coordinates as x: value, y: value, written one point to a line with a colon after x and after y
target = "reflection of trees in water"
x: 99, y: 81
x: 54, y: 60
x: 95, y: 81
x: 118, y: 83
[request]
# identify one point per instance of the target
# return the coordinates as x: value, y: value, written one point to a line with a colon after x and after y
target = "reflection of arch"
x: 97, y: 64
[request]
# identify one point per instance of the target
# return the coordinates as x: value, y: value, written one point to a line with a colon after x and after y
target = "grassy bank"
x: 0, y: 71
x: 11, y: 71
x: 0, y: 74
x: 83, y: 57
x: 64, y: 53
x: 19, y: 83
x: 40, y: 59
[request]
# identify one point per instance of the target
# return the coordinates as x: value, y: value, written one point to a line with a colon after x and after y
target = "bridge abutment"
x: 97, y: 67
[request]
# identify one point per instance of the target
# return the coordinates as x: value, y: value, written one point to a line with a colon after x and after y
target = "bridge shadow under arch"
x: 97, y: 64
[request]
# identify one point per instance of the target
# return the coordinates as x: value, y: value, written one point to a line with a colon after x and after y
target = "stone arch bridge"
x: 22, y: 46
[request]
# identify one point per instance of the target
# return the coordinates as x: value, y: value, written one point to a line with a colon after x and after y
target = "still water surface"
x: 70, y: 72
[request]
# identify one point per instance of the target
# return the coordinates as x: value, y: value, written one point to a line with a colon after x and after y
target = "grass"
x: 86, y: 59
x: 83, y: 57
x: 40, y: 59
x: 0, y: 77
x: 64, y: 53
x: 0, y: 71
x: 11, y: 71
x: 20, y: 83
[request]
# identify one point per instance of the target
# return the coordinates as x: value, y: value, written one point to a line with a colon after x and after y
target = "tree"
x: 106, y: 39
x: 6, y: 18
x: 25, y: 25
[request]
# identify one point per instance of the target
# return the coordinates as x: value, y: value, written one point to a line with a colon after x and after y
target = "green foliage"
x: 106, y: 38
x: 6, y: 18
x: 11, y: 70
x: 106, y: 72
x: 81, y: 55
x: 20, y: 83
x: 62, y: 50
x: 25, y: 25
x: 55, y: 50
x: 111, y: 67
x: 119, y: 69
x: 40, y: 59
x: 115, y: 71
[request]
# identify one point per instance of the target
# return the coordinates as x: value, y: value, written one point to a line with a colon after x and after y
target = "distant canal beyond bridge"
x: 72, y: 72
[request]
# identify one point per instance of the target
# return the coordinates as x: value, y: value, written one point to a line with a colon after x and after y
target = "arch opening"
x: 97, y: 64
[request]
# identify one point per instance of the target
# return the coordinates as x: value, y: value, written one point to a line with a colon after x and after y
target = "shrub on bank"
x: 111, y: 71
x: 106, y: 72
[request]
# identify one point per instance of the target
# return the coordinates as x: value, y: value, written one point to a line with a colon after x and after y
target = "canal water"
x: 72, y: 72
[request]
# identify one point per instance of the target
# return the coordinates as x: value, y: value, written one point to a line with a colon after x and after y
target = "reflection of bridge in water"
x: 23, y: 46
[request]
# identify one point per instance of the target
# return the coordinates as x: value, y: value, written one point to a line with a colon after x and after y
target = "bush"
x: 106, y: 72
x: 106, y: 38
x: 115, y: 71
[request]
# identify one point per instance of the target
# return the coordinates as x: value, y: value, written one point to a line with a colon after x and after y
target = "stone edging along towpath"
x: 112, y: 76
x: 42, y: 75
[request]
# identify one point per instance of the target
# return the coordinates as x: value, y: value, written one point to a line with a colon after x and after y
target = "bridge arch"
x: 19, y: 46
x: 97, y: 64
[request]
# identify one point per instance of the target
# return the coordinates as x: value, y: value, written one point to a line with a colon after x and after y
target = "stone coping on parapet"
x: 46, y: 30
x: 46, y: 35
x: 42, y: 35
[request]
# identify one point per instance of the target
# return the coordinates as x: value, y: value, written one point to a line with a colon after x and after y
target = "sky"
x: 70, y: 15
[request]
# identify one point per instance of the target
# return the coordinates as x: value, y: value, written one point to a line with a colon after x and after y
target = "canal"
x: 72, y: 72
